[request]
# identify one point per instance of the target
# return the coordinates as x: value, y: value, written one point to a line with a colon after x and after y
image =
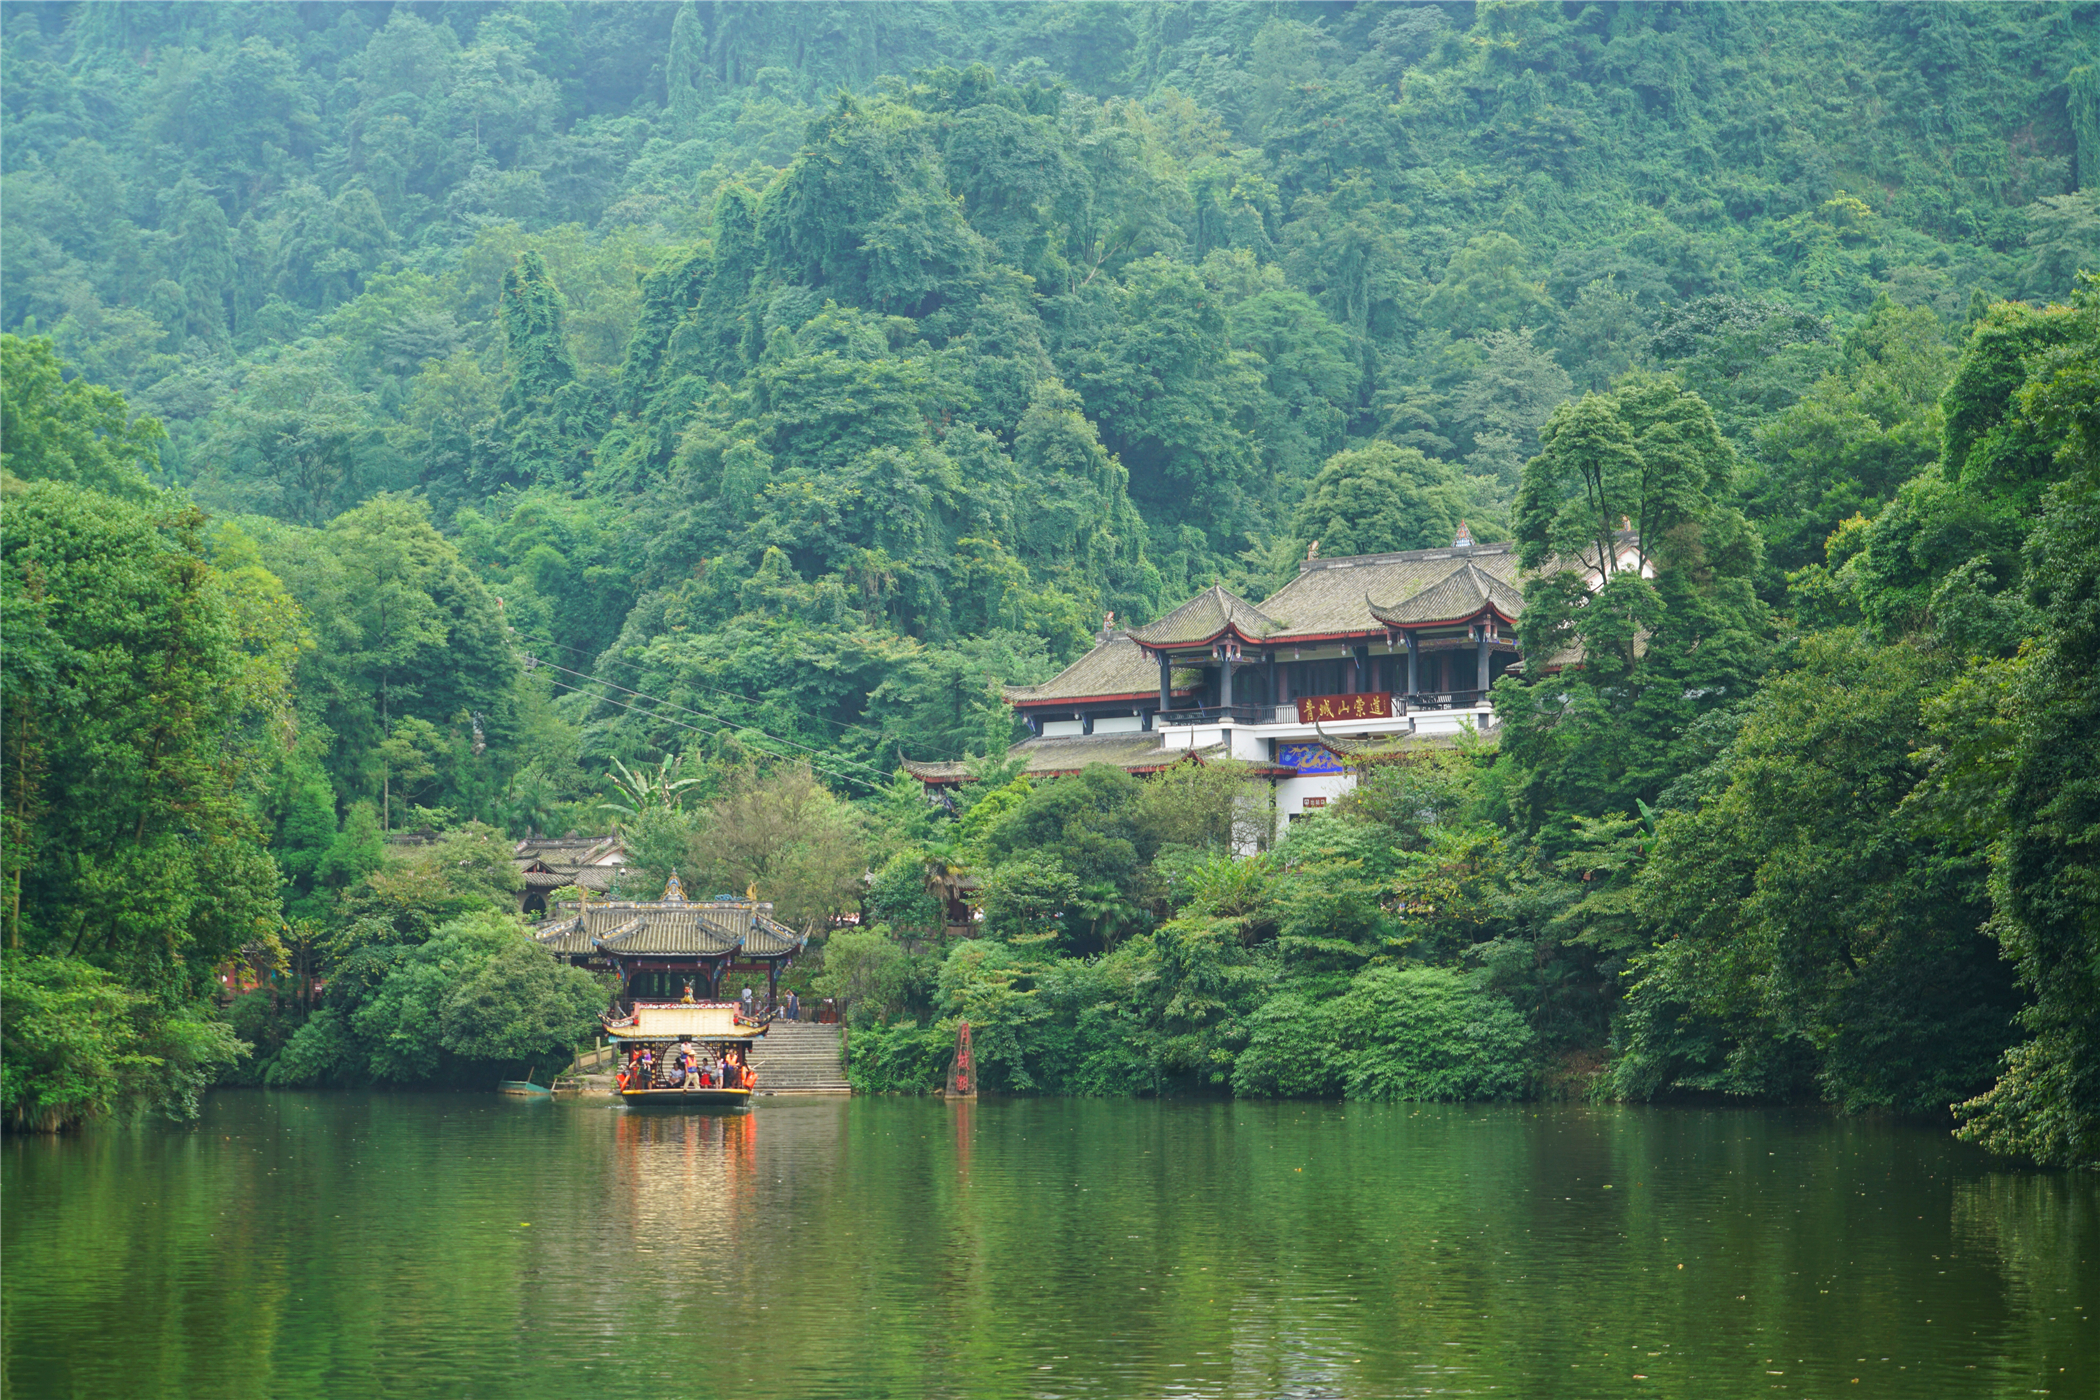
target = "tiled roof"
x: 677, y: 929
x: 1205, y: 616
x: 566, y: 850
x: 1374, y: 747
x: 770, y: 940
x: 1458, y: 596
x: 1331, y: 597
x: 589, y: 877
x: 565, y: 937
x: 1045, y: 758
x: 688, y: 932
x: 1115, y: 670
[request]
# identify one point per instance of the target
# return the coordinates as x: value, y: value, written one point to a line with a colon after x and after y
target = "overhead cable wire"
x: 715, y: 733
x: 839, y: 725
x: 703, y: 714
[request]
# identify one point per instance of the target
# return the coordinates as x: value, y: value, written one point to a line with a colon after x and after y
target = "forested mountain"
x: 763, y: 383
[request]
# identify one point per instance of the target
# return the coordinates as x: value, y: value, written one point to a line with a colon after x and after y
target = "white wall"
x: 1292, y: 792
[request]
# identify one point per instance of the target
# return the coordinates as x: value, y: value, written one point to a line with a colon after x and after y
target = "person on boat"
x: 648, y: 1068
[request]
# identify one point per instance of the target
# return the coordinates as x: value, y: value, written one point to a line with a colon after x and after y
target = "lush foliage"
x: 666, y: 417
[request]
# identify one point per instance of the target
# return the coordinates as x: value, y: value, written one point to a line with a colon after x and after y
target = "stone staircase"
x: 799, y: 1057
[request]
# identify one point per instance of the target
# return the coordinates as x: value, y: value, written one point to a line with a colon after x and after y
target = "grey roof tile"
x: 1205, y: 616
x: 1459, y: 596
x: 1332, y: 597
x: 677, y: 929
x: 1117, y: 669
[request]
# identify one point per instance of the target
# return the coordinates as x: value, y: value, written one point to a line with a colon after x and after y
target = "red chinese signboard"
x: 1314, y: 709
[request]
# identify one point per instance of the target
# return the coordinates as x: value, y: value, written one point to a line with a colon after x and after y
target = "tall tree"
x: 58, y: 429
x: 141, y: 685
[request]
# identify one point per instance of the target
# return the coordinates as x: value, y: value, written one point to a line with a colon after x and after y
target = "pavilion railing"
x: 1287, y: 713
x: 1448, y: 700
x: 1211, y: 714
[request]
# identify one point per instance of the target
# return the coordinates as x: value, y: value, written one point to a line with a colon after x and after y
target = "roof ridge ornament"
x: 674, y: 892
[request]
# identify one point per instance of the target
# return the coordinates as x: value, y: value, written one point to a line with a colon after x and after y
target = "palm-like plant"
x: 643, y: 788
x: 945, y: 873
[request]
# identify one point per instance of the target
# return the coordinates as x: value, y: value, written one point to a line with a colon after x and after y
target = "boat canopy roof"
x: 683, y: 1020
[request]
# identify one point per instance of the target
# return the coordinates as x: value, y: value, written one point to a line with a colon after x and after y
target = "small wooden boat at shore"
x: 710, y: 1034
x: 524, y: 1089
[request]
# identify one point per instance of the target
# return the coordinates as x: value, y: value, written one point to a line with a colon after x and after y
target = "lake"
x: 351, y: 1245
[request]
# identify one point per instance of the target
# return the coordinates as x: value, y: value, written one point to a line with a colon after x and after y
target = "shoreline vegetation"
x: 426, y: 430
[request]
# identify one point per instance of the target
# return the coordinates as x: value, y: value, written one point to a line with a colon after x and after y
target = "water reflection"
x: 318, y: 1245
x: 682, y: 1177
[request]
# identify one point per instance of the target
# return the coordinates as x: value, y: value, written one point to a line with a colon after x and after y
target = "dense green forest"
x: 452, y: 422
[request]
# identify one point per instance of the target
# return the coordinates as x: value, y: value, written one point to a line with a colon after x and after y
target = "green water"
x: 402, y: 1245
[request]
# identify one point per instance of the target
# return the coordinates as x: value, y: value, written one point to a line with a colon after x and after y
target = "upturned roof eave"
x: 1230, y: 629
x: 1452, y: 621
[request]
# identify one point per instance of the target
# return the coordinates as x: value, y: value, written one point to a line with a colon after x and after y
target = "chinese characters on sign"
x: 1313, y: 709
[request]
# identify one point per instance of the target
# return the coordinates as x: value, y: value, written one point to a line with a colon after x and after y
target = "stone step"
x: 799, y: 1057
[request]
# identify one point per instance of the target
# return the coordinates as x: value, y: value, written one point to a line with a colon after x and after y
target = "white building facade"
x: 1387, y: 651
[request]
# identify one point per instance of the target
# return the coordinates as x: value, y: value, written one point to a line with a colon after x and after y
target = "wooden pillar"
x: 772, y: 982
x: 1414, y: 665
x: 1275, y: 698
x: 1483, y: 658
x: 1225, y: 681
x: 1166, y: 682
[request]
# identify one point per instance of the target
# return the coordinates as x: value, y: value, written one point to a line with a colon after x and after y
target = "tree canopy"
x: 431, y: 427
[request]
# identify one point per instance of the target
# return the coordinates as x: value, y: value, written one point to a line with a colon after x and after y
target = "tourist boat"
x: 716, y: 1031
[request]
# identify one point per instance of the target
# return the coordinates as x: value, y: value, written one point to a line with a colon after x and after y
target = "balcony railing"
x: 1447, y: 700
x: 1426, y: 701
x: 1211, y: 714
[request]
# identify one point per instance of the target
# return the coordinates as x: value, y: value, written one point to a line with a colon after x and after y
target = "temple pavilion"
x: 662, y: 947
x: 1390, y: 651
x: 547, y: 864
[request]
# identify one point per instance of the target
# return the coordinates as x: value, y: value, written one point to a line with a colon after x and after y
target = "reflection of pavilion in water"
x: 685, y: 1187
x: 685, y: 1179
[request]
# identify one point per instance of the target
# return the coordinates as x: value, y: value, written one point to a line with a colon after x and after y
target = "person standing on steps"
x: 794, y: 1007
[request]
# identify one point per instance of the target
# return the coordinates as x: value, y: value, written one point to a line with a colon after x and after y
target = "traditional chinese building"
x: 547, y: 864
x: 1397, y: 649
x: 661, y: 947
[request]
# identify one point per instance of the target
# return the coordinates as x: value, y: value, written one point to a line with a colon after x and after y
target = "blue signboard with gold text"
x: 1308, y: 758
